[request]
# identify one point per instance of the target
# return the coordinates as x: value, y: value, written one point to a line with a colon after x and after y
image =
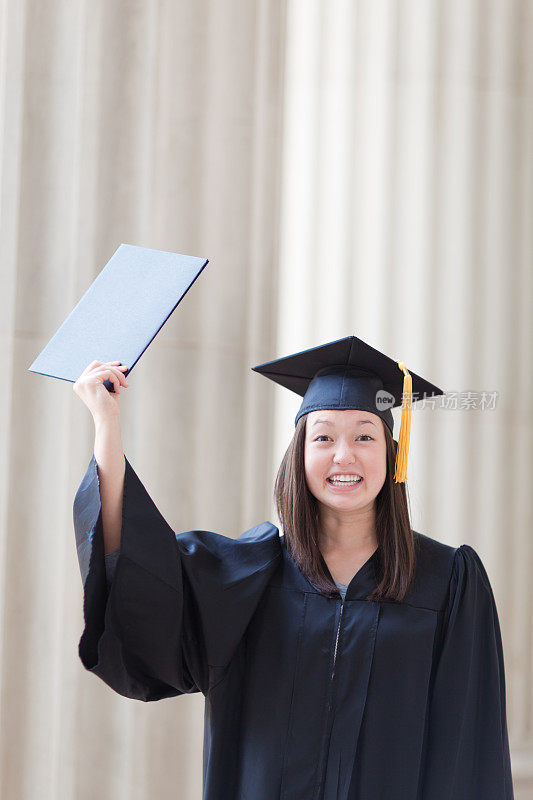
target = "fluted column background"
x: 154, y: 123
x: 406, y: 219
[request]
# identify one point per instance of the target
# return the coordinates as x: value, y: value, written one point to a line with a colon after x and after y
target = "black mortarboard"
x: 350, y: 374
x: 121, y: 312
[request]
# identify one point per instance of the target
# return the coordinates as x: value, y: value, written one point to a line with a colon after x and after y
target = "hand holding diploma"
x: 120, y: 314
x: 91, y: 389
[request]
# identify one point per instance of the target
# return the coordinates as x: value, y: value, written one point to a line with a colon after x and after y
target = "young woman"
x: 349, y: 658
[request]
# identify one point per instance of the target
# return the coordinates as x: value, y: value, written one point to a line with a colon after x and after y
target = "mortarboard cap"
x: 121, y: 312
x: 350, y: 374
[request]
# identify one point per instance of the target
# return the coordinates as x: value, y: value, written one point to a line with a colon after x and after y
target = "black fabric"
x: 307, y: 697
x: 346, y: 373
x: 344, y: 388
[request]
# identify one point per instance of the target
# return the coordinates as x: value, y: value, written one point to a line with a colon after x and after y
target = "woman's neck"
x: 351, y: 533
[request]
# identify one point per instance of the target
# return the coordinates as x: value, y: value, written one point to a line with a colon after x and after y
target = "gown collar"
x: 361, y: 585
x: 365, y: 579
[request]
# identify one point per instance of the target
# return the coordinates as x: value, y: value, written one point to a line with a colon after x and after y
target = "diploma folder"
x: 121, y: 312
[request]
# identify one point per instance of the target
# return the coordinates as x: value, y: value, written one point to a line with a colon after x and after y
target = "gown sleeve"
x: 467, y: 746
x: 165, y: 613
x: 111, y: 565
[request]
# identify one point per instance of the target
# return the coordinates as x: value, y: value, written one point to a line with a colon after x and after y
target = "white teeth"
x: 346, y: 480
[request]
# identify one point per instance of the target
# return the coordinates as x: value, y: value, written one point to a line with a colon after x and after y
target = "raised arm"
x: 111, y: 469
x: 105, y: 409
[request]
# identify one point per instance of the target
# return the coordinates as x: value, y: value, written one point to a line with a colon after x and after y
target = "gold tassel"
x: 400, y: 471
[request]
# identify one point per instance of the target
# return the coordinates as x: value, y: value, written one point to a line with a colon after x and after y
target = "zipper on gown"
x: 329, y: 721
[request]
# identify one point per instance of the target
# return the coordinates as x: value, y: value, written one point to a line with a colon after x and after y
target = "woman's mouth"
x: 344, y: 483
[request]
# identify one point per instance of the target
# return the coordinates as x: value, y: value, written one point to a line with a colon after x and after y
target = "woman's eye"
x: 323, y: 436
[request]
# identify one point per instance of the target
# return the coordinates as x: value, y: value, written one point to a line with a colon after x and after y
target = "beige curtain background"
x: 347, y: 167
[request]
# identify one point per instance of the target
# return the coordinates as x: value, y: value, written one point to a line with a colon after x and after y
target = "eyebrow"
x: 328, y: 422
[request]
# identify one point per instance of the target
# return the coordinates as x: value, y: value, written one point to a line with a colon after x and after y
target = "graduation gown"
x: 306, y: 697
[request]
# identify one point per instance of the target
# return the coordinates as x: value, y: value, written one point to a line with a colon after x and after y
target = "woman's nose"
x: 343, y: 453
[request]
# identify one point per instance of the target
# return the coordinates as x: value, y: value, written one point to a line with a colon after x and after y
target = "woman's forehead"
x: 341, y: 417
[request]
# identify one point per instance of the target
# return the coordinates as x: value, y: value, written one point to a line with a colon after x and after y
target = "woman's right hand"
x: 90, y: 387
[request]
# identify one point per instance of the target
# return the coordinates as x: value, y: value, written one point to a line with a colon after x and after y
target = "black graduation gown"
x: 306, y: 697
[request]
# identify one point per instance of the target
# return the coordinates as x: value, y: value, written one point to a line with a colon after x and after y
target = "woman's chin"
x: 337, y: 502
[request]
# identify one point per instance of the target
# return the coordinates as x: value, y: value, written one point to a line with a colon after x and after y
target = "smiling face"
x: 348, y: 444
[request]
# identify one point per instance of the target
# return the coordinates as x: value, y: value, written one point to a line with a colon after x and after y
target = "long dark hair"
x: 298, y: 513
